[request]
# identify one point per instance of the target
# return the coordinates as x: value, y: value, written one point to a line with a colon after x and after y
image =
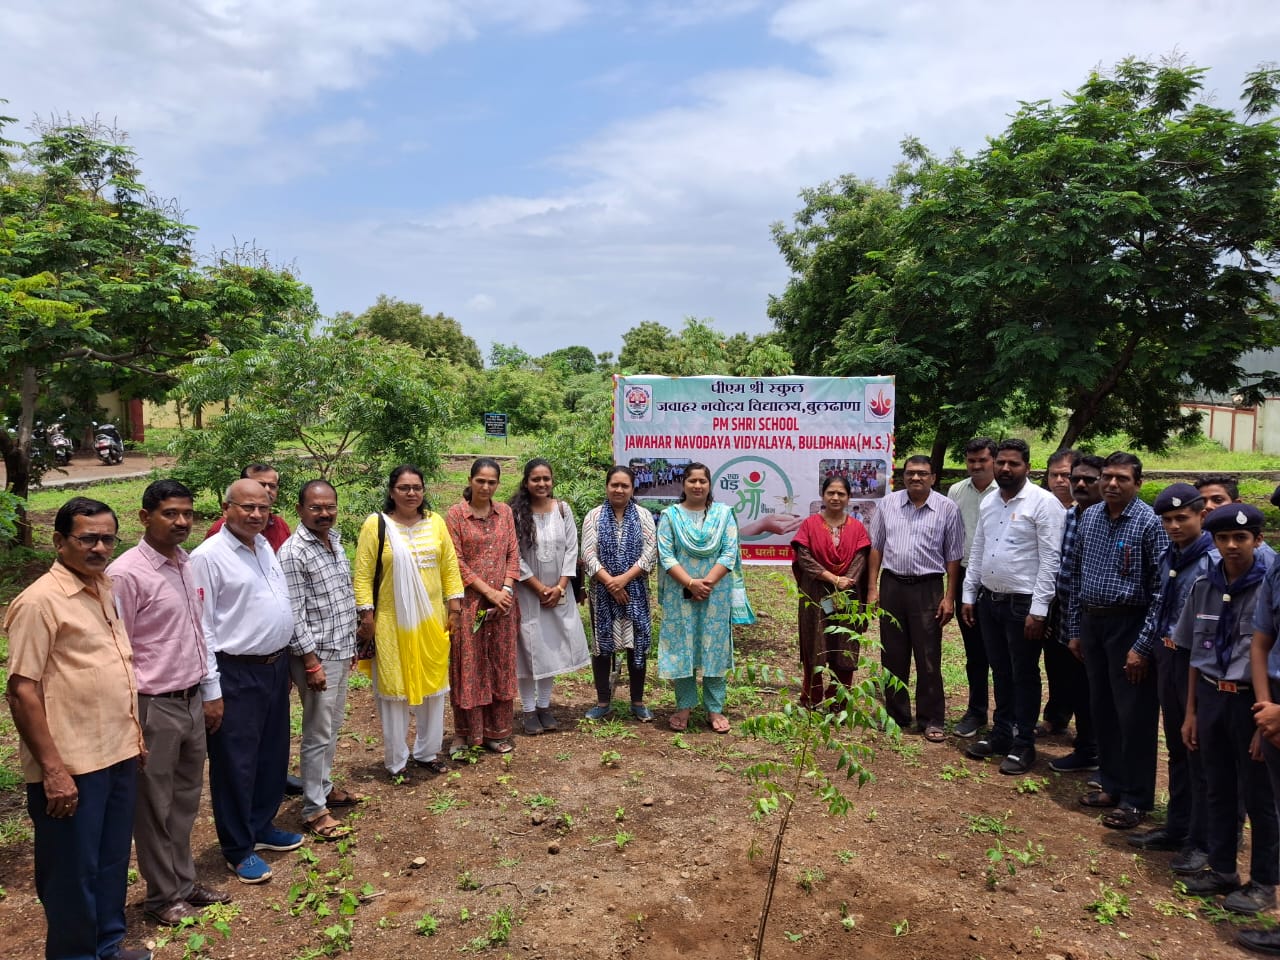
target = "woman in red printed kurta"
x: 482, y: 661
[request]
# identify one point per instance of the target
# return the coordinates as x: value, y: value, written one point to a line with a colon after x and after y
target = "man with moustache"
x: 248, y: 623
x: 322, y: 651
x: 1115, y: 563
x: 74, y: 701
x: 968, y: 494
x: 1011, y: 581
x: 1086, y: 479
x: 158, y: 601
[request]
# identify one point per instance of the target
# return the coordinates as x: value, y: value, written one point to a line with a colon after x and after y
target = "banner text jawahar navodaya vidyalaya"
x: 769, y: 443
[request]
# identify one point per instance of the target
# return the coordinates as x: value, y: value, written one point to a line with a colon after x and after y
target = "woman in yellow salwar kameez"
x: 410, y: 665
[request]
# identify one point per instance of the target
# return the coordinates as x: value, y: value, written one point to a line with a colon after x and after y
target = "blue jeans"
x: 1015, y: 669
x: 82, y: 863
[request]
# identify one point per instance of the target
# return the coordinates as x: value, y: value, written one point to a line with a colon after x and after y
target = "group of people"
x: 1139, y: 611
x: 127, y: 675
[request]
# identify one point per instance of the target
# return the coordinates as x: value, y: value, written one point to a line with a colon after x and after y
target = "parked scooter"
x: 108, y: 443
x: 59, y: 444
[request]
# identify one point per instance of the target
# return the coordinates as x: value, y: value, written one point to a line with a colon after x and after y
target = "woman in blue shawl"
x: 702, y: 596
x: 618, y: 551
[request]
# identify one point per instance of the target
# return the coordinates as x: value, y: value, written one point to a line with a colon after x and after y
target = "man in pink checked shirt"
x: 160, y: 606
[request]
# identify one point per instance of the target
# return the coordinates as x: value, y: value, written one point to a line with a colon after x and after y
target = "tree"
x: 335, y: 404
x: 98, y: 287
x: 700, y: 349
x: 1103, y: 257
x: 435, y: 336
x: 569, y: 360
x: 501, y: 355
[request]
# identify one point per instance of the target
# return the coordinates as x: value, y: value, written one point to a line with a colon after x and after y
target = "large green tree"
x: 98, y: 286
x: 1100, y: 260
x: 435, y: 336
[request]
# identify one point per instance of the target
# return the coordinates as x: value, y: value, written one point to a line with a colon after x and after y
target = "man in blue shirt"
x: 1114, y: 563
x: 1180, y: 508
x: 1217, y: 623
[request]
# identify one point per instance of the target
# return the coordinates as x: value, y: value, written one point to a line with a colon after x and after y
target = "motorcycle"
x: 60, y: 444
x: 108, y: 443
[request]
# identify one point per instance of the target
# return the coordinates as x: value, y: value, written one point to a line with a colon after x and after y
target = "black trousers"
x: 976, y: 667
x: 249, y: 754
x: 1015, y: 669
x: 1068, y: 683
x: 917, y: 635
x: 1224, y: 724
x: 602, y: 672
x: 1186, y: 771
x: 82, y: 862
x: 1127, y: 714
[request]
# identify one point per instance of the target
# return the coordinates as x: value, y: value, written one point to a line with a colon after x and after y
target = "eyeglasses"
x: 91, y: 540
x: 1089, y: 480
x: 322, y: 508
x: 252, y: 508
x: 408, y: 488
x: 918, y: 474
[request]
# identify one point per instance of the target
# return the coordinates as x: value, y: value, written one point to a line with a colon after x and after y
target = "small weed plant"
x: 1110, y: 905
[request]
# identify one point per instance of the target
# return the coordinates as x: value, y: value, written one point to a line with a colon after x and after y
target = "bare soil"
x: 654, y: 861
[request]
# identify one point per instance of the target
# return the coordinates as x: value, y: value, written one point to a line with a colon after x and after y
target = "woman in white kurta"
x: 552, y: 640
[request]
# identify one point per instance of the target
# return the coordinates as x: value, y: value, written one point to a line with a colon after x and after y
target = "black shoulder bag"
x: 368, y: 648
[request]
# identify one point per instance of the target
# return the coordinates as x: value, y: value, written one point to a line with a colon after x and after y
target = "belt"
x: 1113, y: 610
x: 922, y: 578
x: 1228, y: 686
x: 255, y: 658
x: 1003, y: 597
x: 186, y: 694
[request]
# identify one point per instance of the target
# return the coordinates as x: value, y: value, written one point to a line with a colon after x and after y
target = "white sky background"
x: 555, y: 172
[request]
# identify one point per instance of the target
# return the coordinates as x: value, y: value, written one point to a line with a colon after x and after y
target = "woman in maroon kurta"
x: 482, y: 661
x: 830, y: 556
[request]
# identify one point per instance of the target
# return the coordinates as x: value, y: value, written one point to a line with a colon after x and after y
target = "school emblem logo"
x: 761, y: 489
x: 637, y: 403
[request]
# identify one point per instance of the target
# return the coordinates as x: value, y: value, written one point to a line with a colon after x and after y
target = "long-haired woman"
x: 418, y: 582
x: 482, y: 667
x: 552, y: 640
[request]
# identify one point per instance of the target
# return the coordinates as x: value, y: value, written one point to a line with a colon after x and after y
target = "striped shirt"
x: 1116, y: 563
x: 323, y: 599
x: 917, y: 541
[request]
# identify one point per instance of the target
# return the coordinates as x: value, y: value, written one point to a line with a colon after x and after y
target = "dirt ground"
x: 625, y: 840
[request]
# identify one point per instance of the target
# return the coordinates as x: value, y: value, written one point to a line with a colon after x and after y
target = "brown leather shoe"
x: 202, y: 896
x: 172, y: 914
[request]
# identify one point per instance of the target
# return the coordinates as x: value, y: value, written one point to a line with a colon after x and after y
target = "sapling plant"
x: 837, y: 725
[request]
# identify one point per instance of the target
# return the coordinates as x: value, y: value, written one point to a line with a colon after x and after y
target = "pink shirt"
x: 161, y: 607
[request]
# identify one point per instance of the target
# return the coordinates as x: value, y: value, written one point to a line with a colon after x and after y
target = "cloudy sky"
x: 553, y: 172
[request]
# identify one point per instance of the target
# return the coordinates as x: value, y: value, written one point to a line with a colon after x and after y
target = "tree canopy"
x: 1099, y: 260
x: 698, y: 349
x: 434, y: 336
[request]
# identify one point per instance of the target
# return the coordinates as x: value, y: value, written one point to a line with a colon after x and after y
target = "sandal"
x: 342, y: 798
x: 320, y: 830
x: 1123, y: 818
x: 1098, y: 798
x: 719, y: 723
x: 935, y: 734
x: 457, y: 747
x: 679, y: 721
x: 435, y: 765
x: 498, y: 746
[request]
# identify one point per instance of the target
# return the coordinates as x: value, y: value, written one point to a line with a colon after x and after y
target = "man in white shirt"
x: 1011, y: 580
x: 248, y: 623
x: 968, y: 494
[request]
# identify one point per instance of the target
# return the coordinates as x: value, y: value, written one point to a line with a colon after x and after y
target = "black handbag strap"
x: 377, y: 570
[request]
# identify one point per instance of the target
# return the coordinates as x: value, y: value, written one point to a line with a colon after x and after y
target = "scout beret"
x: 1176, y: 496
x: 1234, y: 516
